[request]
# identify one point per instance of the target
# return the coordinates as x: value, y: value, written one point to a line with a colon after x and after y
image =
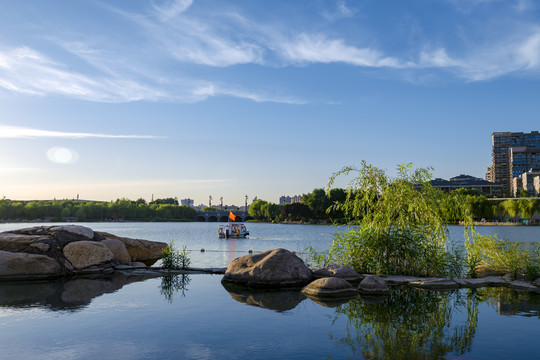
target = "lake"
x: 126, y: 316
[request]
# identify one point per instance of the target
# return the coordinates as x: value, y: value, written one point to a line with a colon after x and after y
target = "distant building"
x: 513, y: 153
x: 290, y: 199
x: 529, y: 181
x: 187, y: 202
x: 467, y: 182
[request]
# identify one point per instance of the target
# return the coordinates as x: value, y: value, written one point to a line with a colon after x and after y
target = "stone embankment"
x: 47, y: 252
x: 282, y: 269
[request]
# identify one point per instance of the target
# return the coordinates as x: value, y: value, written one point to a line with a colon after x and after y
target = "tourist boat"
x: 233, y: 230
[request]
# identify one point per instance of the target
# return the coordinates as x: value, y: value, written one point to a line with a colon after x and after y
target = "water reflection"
x: 420, y: 324
x: 410, y: 324
x: 71, y: 295
x: 277, y: 300
x: 173, y: 283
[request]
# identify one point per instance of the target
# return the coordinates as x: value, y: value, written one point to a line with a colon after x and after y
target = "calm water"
x: 195, y: 317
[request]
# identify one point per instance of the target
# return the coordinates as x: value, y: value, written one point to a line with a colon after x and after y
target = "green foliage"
x: 318, y: 202
x: 166, y: 201
x: 174, y: 259
x: 121, y: 209
x: 296, y: 211
x: 170, y: 258
x: 256, y: 209
x: 503, y: 256
x: 401, y: 227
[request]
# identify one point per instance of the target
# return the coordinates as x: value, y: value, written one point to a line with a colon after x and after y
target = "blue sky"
x: 112, y: 99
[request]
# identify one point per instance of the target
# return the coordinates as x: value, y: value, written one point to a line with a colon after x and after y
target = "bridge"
x: 222, y: 216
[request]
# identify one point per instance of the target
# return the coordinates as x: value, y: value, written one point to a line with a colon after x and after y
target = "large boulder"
x: 373, y: 285
x: 83, y: 254
x: 119, y: 250
x: 339, y: 271
x: 22, y: 265
x: 330, y: 287
x: 273, y: 268
x: 144, y: 251
x: 16, y: 242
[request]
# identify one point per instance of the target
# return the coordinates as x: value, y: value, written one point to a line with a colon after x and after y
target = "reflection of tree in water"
x: 411, y: 324
x: 509, y: 302
x: 171, y: 284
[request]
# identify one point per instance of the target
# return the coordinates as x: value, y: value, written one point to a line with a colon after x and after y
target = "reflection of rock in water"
x: 70, y: 294
x: 273, y: 300
x: 329, y: 302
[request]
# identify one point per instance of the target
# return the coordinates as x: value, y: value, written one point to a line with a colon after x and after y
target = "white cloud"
x: 341, y: 11
x: 17, y: 132
x: 27, y: 71
x: 171, y: 8
x: 319, y: 49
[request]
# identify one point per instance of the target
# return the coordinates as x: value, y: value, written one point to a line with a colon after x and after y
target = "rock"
x: 330, y: 287
x: 373, y: 285
x: 522, y: 285
x: 75, y: 229
x: 482, y: 282
x: 339, y: 271
x: 400, y: 279
x: 22, y: 265
x: 15, y: 242
x: 138, y: 264
x: 438, y: 284
x: 119, y: 250
x: 83, y: 254
x: 272, y: 268
x: 144, y: 251
x: 537, y: 282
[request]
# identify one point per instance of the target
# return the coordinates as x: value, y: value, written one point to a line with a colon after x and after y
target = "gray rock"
x: 438, y: 284
x: 138, y: 264
x: 83, y: 254
x: 272, y: 268
x: 330, y: 287
x: 522, y: 285
x: 339, y: 271
x: 75, y: 229
x: 144, y: 251
x: 373, y: 285
x: 481, y: 282
x: 119, y: 250
x: 537, y: 282
x: 401, y: 279
x: 22, y: 265
x: 15, y: 242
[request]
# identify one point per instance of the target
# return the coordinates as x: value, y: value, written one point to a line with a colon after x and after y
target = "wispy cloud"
x: 16, y: 132
x: 341, y: 11
x: 319, y: 49
x: 27, y: 71
x: 168, y: 9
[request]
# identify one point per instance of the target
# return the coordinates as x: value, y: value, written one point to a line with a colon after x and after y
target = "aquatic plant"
x: 174, y: 259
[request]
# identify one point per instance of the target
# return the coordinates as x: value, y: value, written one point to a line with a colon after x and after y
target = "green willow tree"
x: 402, y: 228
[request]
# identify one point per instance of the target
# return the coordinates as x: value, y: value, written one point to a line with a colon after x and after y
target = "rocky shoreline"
x: 53, y: 252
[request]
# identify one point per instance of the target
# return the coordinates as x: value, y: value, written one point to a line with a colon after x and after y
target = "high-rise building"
x: 513, y: 153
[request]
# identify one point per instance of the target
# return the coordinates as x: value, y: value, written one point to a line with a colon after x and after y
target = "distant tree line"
x: 327, y: 205
x: 121, y: 209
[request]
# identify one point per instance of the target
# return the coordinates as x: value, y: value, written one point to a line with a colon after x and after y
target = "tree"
x: 169, y: 201
x: 296, y: 211
x: 318, y: 202
x: 402, y: 228
x: 255, y: 209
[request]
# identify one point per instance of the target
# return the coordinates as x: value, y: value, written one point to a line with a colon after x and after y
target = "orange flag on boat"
x: 232, y: 216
